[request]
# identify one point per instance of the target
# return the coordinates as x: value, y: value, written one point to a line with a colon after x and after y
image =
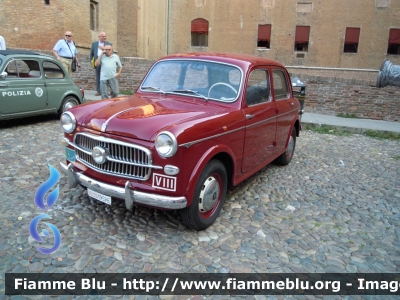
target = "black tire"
x: 203, y: 211
x: 286, y: 156
x: 68, y: 102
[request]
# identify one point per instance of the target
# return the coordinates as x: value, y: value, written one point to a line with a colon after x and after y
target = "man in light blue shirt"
x: 65, y: 51
x: 111, y: 68
x: 2, y: 43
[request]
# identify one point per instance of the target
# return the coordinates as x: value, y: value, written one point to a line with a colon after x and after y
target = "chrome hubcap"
x: 209, y: 194
x: 69, y: 105
x: 290, y: 147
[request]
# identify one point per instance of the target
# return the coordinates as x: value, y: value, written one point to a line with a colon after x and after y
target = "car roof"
x: 22, y: 53
x: 226, y: 57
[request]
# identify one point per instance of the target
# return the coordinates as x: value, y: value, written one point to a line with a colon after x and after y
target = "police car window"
x: 52, y: 71
x: 23, y: 69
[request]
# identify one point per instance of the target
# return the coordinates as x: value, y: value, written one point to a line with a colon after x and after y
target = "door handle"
x: 248, y: 116
x: 291, y: 104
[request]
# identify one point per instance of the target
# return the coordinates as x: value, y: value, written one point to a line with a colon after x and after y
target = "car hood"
x: 141, y: 117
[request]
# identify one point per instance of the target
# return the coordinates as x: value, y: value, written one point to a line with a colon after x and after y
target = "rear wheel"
x: 286, y: 156
x: 67, y: 104
x: 208, y: 197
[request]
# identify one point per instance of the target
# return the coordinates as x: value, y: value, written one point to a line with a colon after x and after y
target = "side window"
x: 51, y: 70
x: 23, y: 69
x: 258, y: 90
x: 281, y: 90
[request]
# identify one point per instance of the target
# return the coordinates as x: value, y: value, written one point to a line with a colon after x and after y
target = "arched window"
x: 93, y: 15
x: 199, y: 30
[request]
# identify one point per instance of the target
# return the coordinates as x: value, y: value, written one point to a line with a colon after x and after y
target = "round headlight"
x: 166, y: 144
x: 68, y: 122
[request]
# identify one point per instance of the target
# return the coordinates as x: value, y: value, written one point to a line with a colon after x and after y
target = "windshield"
x: 207, y: 80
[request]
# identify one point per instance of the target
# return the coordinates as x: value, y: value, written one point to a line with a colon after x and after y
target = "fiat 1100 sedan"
x: 34, y: 84
x: 198, y: 123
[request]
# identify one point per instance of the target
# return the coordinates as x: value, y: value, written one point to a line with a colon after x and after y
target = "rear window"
x: 52, y: 71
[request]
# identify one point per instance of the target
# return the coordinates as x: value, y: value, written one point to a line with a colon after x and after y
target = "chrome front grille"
x: 123, y: 159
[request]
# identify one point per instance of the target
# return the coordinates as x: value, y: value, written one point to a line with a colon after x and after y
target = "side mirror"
x: 3, y: 74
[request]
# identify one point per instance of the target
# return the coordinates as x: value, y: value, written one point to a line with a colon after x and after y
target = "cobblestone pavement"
x: 334, y: 208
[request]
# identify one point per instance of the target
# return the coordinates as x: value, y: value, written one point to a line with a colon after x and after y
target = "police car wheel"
x: 67, y: 104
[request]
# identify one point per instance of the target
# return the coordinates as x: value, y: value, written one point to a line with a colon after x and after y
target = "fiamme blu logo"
x: 44, y: 203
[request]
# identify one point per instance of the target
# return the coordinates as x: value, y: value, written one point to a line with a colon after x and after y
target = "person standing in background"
x: 65, y: 51
x: 111, y: 68
x: 2, y: 43
x: 95, y: 51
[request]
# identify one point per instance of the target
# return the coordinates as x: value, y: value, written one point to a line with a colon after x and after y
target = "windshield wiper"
x: 184, y: 91
x: 153, y: 88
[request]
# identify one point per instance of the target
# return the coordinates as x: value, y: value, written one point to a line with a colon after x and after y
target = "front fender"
x: 202, y: 162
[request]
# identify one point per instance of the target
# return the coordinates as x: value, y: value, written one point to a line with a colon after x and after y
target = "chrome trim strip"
x: 260, y: 122
x: 134, y: 164
x: 110, y: 173
x: 187, y: 145
x: 130, y: 196
x: 104, y: 126
x: 289, y: 112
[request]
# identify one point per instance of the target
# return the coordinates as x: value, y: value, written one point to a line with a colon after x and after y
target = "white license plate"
x: 100, y: 197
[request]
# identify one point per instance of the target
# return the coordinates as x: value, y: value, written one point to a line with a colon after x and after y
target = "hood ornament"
x: 105, y: 124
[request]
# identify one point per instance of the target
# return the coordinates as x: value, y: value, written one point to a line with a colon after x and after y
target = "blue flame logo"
x: 40, y: 203
x: 45, y: 187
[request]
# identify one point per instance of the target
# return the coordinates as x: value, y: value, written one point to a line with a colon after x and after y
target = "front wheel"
x: 286, y: 156
x: 67, y: 104
x: 208, y: 197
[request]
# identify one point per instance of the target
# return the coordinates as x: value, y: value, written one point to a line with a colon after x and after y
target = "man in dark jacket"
x: 97, y: 48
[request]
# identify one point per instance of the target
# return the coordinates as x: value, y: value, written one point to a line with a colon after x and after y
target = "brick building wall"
x: 357, y: 97
x: 35, y: 25
x: 233, y: 27
x: 133, y: 71
x: 32, y: 26
x: 127, y: 28
x: 153, y: 28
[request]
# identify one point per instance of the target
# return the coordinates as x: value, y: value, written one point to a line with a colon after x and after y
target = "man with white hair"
x: 111, y: 67
x: 95, y: 51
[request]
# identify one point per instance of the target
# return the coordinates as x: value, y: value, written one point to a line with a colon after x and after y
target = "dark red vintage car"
x: 197, y: 123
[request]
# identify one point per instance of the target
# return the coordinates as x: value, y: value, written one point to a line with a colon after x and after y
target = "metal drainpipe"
x: 168, y: 13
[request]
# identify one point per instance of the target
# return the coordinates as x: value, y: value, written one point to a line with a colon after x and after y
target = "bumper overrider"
x: 128, y: 194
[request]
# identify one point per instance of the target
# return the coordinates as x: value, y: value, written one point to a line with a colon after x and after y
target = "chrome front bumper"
x: 130, y: 196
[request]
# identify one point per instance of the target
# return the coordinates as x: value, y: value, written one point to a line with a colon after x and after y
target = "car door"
x: 284, y: 105
x: 23, y: 89
x: 56, y: 82
x: 260, y: 114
